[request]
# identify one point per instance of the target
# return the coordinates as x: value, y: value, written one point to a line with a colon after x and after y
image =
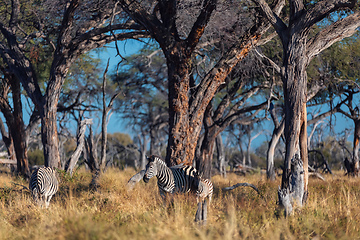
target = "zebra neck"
x: 163, y: 174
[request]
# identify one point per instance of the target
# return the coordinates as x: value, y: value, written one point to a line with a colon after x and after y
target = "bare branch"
x: 268, y: 61
x: 322, y: 9
x: 335, y: 32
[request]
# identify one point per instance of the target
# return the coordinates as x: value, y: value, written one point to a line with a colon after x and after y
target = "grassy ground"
x: 332, y: 211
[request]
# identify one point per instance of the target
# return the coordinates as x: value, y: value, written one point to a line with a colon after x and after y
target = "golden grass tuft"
x: 76, y: 212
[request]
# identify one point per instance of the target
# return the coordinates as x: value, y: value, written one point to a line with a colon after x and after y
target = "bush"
x: 36, y: 157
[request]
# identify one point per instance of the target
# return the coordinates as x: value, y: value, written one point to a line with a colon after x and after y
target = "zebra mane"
x: 181, y: 165
x: 158, y: 160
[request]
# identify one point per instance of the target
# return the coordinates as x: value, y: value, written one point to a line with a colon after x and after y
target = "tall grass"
x: 112, y: 212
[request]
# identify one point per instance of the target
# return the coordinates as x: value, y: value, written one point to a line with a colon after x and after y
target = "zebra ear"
x: 148, y: 158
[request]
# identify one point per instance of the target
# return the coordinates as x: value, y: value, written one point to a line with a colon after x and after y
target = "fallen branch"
x: 241, y: 185
x: 317, y: 175
x: 244, y: 185
x: 7, y: 161
x: 135, y: 179
x: 23, y: 187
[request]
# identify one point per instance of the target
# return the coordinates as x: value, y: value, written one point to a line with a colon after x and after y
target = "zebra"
x: 180, y: 179
x: 43, y: 185
x: 176, y: 179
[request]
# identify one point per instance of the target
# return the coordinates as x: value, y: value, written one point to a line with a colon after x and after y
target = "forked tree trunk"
x: 49, y: 134
x: 80, y: 140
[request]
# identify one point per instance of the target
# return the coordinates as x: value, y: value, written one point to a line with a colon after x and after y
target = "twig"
x: 24, y: 187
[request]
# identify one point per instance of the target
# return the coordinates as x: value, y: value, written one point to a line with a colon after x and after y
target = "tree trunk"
x: 356, y: 146
x: 304, y: 151
x: 154, y: 150
x: 204, y: 164
x: 248, y: 156
x: 143, y: 161
x: 298, y: 52
x: 49, y: 137
x: 221, y: 155
x: 294, y: 84
x: 182, y: 138
x: 270, y: 168
x: 7, y: 141
x: 91, y: 153
x: 71, y: 163
x: 18, y: 131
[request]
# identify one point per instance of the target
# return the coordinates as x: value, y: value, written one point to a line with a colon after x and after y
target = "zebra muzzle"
x: 146, y: 179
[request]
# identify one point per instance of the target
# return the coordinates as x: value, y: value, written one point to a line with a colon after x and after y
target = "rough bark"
x: 18, y: 131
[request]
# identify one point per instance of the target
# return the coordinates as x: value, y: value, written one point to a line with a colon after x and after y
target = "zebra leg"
x: 47, y: 203
x: 198, y: 215
x: 42, y: 201
x: 163, y: 195
x: 204, y: 211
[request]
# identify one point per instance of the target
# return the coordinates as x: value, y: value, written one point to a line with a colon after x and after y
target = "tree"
x: 16, y: 140
x: 353, y: 113
x: 298, y: 50
x: 82, y: 26
x: 142, y: 80
x: 188, y: 99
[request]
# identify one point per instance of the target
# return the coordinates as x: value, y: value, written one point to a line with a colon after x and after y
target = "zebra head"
x: 151, y: 169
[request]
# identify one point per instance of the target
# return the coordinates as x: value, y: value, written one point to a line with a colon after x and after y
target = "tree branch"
x: 322, y: 9
x: 335, y: 32
x: 273, y: 18
x: 199, y: 26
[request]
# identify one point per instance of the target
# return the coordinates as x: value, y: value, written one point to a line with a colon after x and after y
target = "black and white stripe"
x: 177, y: 179
x: 43, y: 185
x: 205, y: 190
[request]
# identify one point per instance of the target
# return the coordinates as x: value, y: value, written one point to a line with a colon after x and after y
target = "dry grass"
x: 332, y: 211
